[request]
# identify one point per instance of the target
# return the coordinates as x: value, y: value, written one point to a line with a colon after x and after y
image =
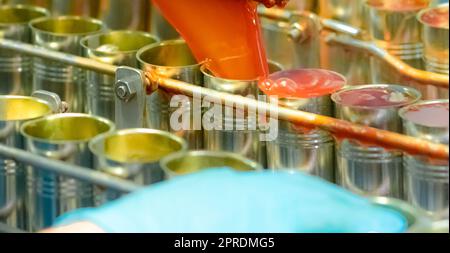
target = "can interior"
x: 124, y: 41
x: 138, y: 147
x: 169, y: 54
x: 67, y: 25
x: 17, y: 15
x: 66, y: 129
x: 194, y: 163
x: 17, y: 109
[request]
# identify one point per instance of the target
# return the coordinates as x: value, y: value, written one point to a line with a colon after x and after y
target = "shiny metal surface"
x: 427, y: 180
x: 15, y: 69
x: 14, y: 111
x: 367, y: 169
x: 125, y: 14
x: 56, y: 137
x: 62, y: 34
x: 117, y: 48
x: 133, y: 154
x: 184, y: 163
x: 172, y: 59
x: 160, y: 26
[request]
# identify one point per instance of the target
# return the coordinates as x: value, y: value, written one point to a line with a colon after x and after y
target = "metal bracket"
x: 130, y: 98
x: 53, y: 99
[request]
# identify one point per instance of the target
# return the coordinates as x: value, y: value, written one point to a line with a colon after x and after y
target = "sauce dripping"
x: 226, y: 34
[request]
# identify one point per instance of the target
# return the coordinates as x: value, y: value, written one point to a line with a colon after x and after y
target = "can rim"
x: 417, y: 96
x: 45, y: 13
x: 102, y: 137
x: 371, y: 7
x: 402, y: 112
x: 204, y: 153
x: 38, y: 100
x: 85, y: 40
x: 422, y: 12
x: 32, y: 25
x: 110, y: 124
x: 160, y: 44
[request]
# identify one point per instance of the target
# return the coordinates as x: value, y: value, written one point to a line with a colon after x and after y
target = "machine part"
x: 117, y: 48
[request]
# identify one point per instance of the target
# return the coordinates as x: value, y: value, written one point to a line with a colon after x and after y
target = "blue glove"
x: 225, y: 201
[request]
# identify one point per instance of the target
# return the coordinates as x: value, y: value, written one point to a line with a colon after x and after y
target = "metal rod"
x: 68, y: 170
x: 339, y: 128
x: 69, y: 59
x: 421, y: 76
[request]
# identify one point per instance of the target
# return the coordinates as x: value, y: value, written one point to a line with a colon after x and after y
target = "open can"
x: 435, y: 38
x: 307, y: 150
x: 14, y: 111
x: 132, y: 154
x: 393, y: 25
x: 184, y: 163
x: 62, y: 137
x: 62, y: 34
x: 15, y: 69
x: 366, y: 169
x: 427, y: 180
x: 116, y: 48
x: 173, y: 59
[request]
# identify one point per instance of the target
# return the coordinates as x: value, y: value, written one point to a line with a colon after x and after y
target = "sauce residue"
x: 430, y: 115
x: 302, y: 83
x: 226, y: 34
x: 399, y: 5
x: 437, y: 17
x: 373, y: 97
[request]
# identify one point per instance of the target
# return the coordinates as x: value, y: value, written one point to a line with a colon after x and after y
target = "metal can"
x: 365, y: 169
x: 160, y: 26
x: 132, y: 154
x: 125, y: 14
x: 15, y: 76
x: 62, y: 137
x: 244, y: 136
x: 307, y: 150
x: 172, y: 59
x: 427, y: 180
x: 393, y: 25
x: 348, y: 11
x: 62, y: 34
x: 184, y: 163
x: 14, y: 111
x: 435, y: 38
x: 116, y: 48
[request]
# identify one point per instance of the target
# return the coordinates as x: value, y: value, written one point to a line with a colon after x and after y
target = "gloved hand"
x: 271, y: 3
x: 225, y: 201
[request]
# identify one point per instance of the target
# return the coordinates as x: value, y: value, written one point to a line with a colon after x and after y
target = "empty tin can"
x: 393, y: 25
x: 307, y: 150
x: 62, y: 137
x: 172, y: 59
x: 241, y: 132
x: 427, y: 180
x: 116, y: 48
x: 365, y: 169
x: 15, y: 69
x: 435, y: 38
x: 133, y: 154
x: 184, y: 163
x: 62, y: 34
x: 348, y: 11
x: 14, y: 111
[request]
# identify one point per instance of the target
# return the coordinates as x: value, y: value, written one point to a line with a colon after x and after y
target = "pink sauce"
x: 373, y: 97
x: 302, y: 83
x: 430, y: 115
x: 399, y: 5
x: 437, y: 17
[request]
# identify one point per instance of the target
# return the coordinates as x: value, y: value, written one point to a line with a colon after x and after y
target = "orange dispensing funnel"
x: 224, y: 34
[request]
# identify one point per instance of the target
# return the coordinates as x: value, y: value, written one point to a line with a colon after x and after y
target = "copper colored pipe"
x: 339, y: 128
